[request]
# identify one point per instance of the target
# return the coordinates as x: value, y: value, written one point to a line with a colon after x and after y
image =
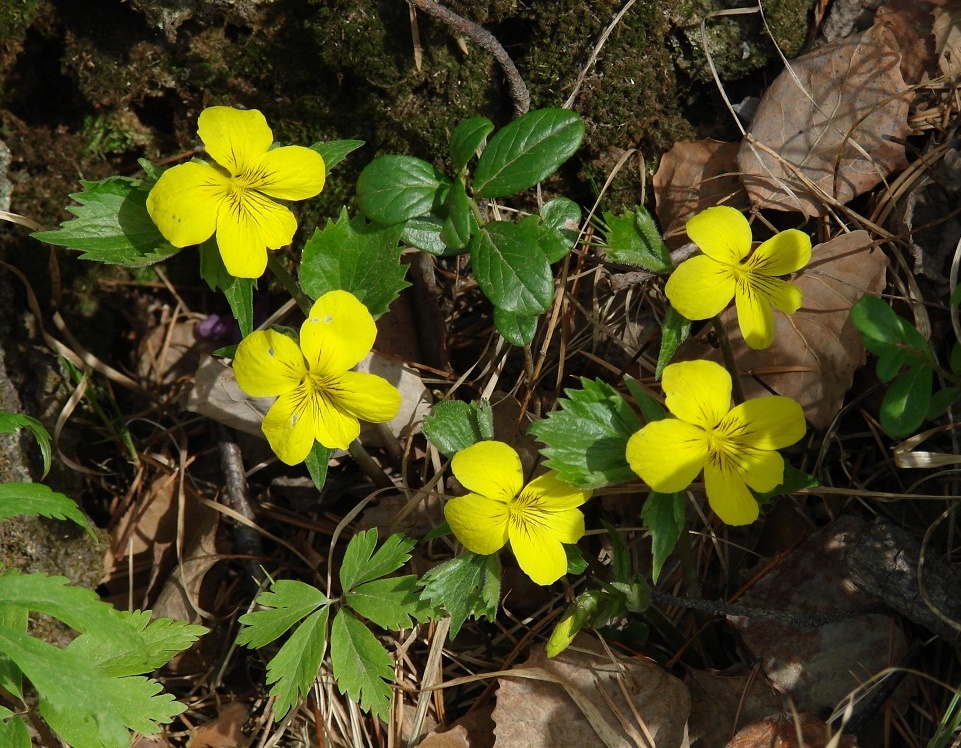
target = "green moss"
x: 16, y: 16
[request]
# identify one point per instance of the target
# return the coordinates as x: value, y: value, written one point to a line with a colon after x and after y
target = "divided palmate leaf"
x: 526, y: 151
x: 356, y: 256
x: 287, y: 602
x: 335, y: 151
x: 510, y: 267
x: 10, y: 422
x: 456, y: 425
x: 469, y: 584
x: 295, y: 666
x: 36, y: 499
x: 632, y: 238
x: 467, y: 137
x: 239, y: 292
x: 586, y: 439
x: 392, y: 603
x: 363, y: 669
x: 361, y: 564
x: 112, y: 225
x: 392, y: 189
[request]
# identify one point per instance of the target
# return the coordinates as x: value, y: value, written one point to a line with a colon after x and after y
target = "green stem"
x: 288, y: 282
x: 368, y: 466
x: 725, y: 342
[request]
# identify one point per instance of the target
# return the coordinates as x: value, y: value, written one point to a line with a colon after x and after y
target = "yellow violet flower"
x: 236, y: 197
x: 536, y: 518
x: 318, y: 397
x: 734, y: 446
x: 704, y: 285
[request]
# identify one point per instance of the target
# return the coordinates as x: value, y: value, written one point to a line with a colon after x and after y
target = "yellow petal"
x: 288, y: 173
x: 479, y: 523
x: 553, y: 494
x: 489, y: 468
x: 247, y: 224
x: 366, y: 396
x: 722, y: 233
x: 338, y: 333
x: 765, y: 423
x: 289, y: 426
x: 700, y: 287
x: 333, y: 427
x: 754, y: 316
x: 234, y: 137
x: 268, y: 363
x: 185, y: 201
x: 698, y: 392
x: 539, y: 552
x: 667, y: 454
x: 729, y: 497
x: 785, y: 252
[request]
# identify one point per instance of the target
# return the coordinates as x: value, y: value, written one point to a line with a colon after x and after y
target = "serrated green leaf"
x: 526, y: 151
x: 239, y: 292
x: 559, y: 227
x: 11, y: 422
x: 317, y: 462
x: 363, y: 669
x: 393, y: 603
x: 13, y: 730
x: 510, y: 267
x: 392, y: 189
x: 456, y: 425
x: 633, y: 239
x: 469, y: 584
x: 460, y: 222
x: 517, y: 329
x: 663, y: 516
x: 335, y: 151
x: 467, y: 137
x: 295, y: 666
x: 356, y: 256
x: 586, y: 439
x: 360, y: 566
x: 674, y: 331
x: 907, y: 400
x: 112, y: 225
x: 286, y: 603
x: 36, y: 499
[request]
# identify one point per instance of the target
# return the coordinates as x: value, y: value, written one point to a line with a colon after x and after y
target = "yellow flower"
x: 236, y: 197
x: 318, y: 397
x: 734, y: 446
x: 705, y: 284
x: 536, y: 518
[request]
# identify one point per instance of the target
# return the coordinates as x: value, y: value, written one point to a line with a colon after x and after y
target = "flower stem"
x: 367, y: 465
x: 729, y: 363
x: 288, y: 282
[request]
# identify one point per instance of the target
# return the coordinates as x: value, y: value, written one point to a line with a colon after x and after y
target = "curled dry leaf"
x: 835, y: 120
x: 800, y: 731
x: 817, y: 349
x: 226, y: 731
x: 577, y: 700
x: 722, y: 700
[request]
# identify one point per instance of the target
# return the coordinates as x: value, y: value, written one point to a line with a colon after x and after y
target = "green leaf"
x: 360, y: 566
x: 423, y: 232
x: 881, y: 328
x: 633, y: 239
x: 357, y: 256
x: 393, y: 603
x: 890, y: 361
x: 317, y: 462
x: 559, y: 228
x: 112, y: 225
x: 956, y: 296
x: 620, y: 553
x: 393, y: 188
x: 363, y: 669
x: 152, y: 171
x: 576, y: 563
x: 295, y: 666
x: 460, y: 222
x: 517, y: 329
x: 467, y: 137
x: 586, y: 439
x: 36, y: 499
x: 674, y: 331
x: 456, y: 425
x: 335, y: 151
x: 941, y: 401
x: 11, y: 422
x: 15, y: 619
x: 663, y: 516
x: 526, y: 151
x: 13, y: 730
x: 510, y: 267
x: 287, y: 602
x: 239, y: 292
x: 907, y: 400
x: 651, y: 409
x: 792, y: 480
x: 469, y: 584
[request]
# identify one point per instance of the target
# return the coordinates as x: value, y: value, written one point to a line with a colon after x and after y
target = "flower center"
x: 525, y: 509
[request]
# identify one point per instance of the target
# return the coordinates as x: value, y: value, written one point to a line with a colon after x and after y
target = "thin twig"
x: 485, y: 40
x: 248, y: 541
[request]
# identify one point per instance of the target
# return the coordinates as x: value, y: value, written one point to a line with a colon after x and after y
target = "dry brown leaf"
x: 179, y: 598
x: 838, y: 117
x: 817, y: 349
x: 947, y: 37
x: 226, y: 731
x: 575, y: 700
x: 722, y: 700
x: 911, y: 22
x: 693, y: 176
x: 783, y: 731
x: 473, y: 730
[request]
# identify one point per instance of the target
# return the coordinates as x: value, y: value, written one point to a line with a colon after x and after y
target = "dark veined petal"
x: 289, y: 426
x: 291, y: 172
x: 765, y: 423
x: 478, y: 522
x: 247, y: 224
x: 698, y: 392
x: 729, y: 496
x: 366, y: 396
x: 667, y: 454
x: 538, y: 546
x: 785, y: 252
